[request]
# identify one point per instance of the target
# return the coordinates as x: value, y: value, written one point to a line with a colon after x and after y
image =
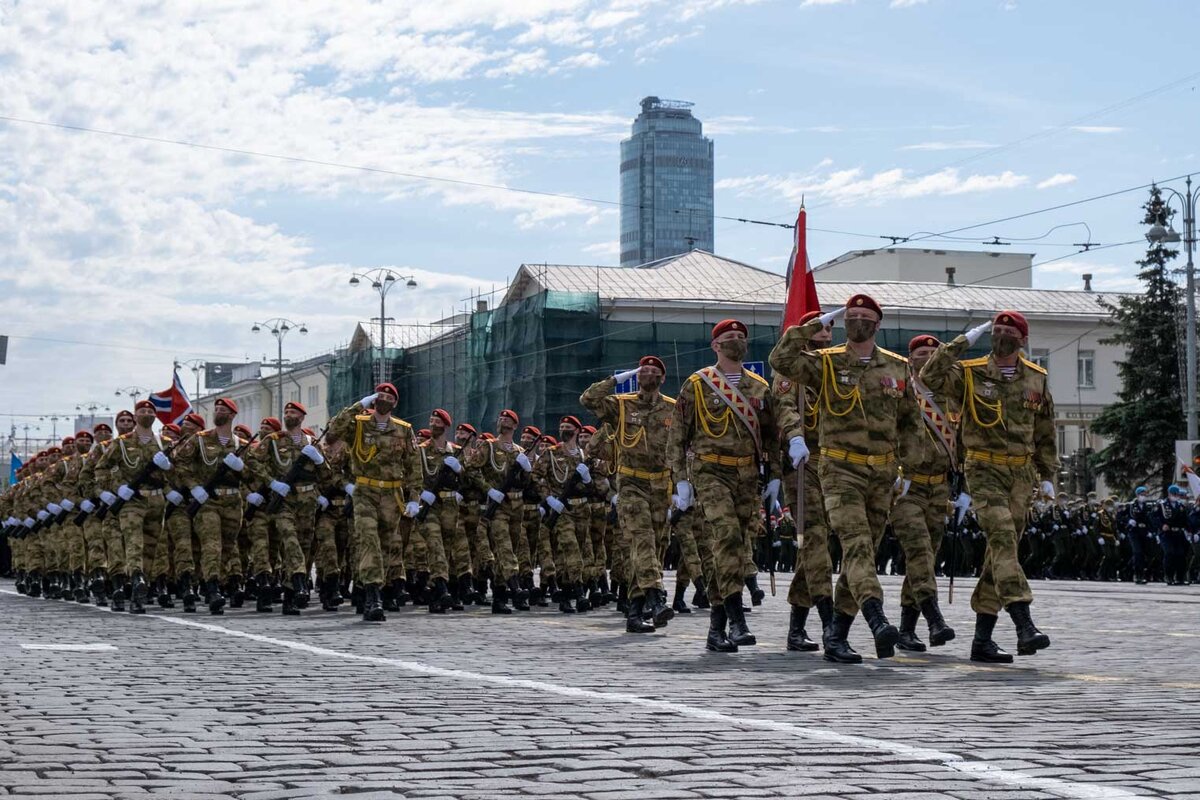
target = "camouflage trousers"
x: 93, y: 540
x: 642, y: 505
x: 525, y: 541
x: 919, y: 520
x: 141, y: 523
x: 476, y: 536
x: 689, y: 554
x: 729, y: 500
x: 177, y: 531
x: 217, y: 525
x: 1001, y: 496
x: 619, y: 549
x: 857, y: 501
x: 414, y: 549
x: 446, y: 540
x: 813, y: 576
x: 331, y: 529
x: 376, y: 523
x: 505, y: 528
x: 570, y: 533
x: 114, y: 545
x: 547, y: 546
x: 294, y: 522
x: 598, y: 512
x: 73, y: 546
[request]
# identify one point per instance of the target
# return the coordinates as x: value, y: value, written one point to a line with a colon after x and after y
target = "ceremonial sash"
x: 735, y: 401
x: 937, y: 422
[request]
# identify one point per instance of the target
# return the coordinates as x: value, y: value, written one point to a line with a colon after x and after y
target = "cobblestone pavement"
x: 542, y: 705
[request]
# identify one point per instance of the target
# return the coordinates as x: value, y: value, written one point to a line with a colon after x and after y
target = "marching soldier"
x: 562, y: 476
x: 1008, y: 430
x: 866, y: 408
x: 449, y: 554
x: 332, y: 525
x: 468, y: 440
x: 597, y: 459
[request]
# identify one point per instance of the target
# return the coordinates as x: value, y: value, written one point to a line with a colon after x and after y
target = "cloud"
x: 805, y: 3
x: 580, y: 61
x: 610, y: 250
x: 728, y: 125
x: 854, y: 187
x: 1096, y: 128
x: 1106, y: 277
x: 1058, y: 179
x: 959, y: 145
x: 906, y: 3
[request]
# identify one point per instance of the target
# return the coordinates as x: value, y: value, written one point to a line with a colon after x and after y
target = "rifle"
x: 961, y: 502
x: 211, y: 484
x: 572, y: 489
x: 293, y: 474
x: 764, y: 475
x: 143, y: 475
x: 443, y: 481
x: 512, y: 480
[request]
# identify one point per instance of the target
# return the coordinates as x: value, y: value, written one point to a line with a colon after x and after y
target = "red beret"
x: 532, y: 429
x: 101, y: 426
x: 468, y: 427
x: 225, y: 401
x: 729, y: 325
x: 1014, y: 319
x: 68, y: 440
x: 442, y: 414
x: 273, y: 423
x: 864, y: 301
x: 389, y: 388
x: 124, y: 412
x: 508, y: 412
x: 308, y: 431
x: 571, y: 419
x: 172, y: 427
x: 924, y: 340
x: 53, y: 451
x: 195, y: 419
x: 654, y: 361
x: 425, y: 433
x: 244, y: 431
x: 296, y: 407
x: 84, y: 434
x: 489, y: 437
x: 589, y: 429
x: 808, y: 316
x: 550, y: 440
x: 143, y: 404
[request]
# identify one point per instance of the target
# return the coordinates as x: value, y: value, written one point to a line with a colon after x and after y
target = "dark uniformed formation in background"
x: 853, y: 461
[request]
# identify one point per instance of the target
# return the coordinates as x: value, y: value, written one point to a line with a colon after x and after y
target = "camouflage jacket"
x: 381, y: 454
x: 198, y: 460
x: 554, y: 469
x: 641, y: 424
x: 431, y: 460
x: 706, y: 426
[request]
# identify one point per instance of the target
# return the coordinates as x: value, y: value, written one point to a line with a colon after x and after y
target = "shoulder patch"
x: 1032, y: 365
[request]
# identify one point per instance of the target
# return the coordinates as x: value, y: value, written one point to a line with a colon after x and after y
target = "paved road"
x: 543, y: 705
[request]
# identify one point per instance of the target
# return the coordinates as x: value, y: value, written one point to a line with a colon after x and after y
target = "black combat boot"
x: 537, y: 594
x: 680, y: 604
x: 235, y: 592
x: 909, y: 640
x: 700, y: 597
x: 739, y: 634
x: 635, y: 622
x: 797, y: 638
x: 662, y: 613
x: 214, y: 598
x: 439, y: 597
x: 81, y: 587
x: 303, y: 592
x: 479, y: 597
x: 837, y: 649
x: 717, y: 641
x: 939, y: 631
x: 118, y: 593
x: 296, y: 589
x: 100, y: 587
x: 137, y: 594
x: 463, y: 595
x: 595, y: 596
x: 607, y: 594
x: 885, y: 633
x: 262, y: 598
x: 289, y: 602
x: 372, y: 604
x: 622, y: 599
x: 332, y: 594
x: 983, y: 648
x: 358, y: 597
x: 582, y: 603
x: 1029, y: 638
x: 520, y: 598
x: 164, y: 593
x: 33, y: 584
x: 500, y: 598
x: 401, y: 594
x: 565, y: 596
x: 824, y: 606
x: 756, y: 594
x: 187, y: 592
x: 20, y: 585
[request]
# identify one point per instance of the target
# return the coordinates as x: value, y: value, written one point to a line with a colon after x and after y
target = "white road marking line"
x: 71, y: 647
x: 979, y: 770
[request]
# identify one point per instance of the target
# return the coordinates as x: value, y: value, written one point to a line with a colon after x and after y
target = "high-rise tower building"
x: 666, y: 184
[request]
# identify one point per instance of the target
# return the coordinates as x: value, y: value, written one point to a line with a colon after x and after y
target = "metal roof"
x: 699, y: 276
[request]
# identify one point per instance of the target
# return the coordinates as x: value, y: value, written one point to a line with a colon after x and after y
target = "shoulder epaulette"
x: 668, y: 399
x: 975, y: 362
x: 756, y: 377
x: 626, y: 395
x: 362, y: 417
x: 892, y: 355
x: 833, y: 351
x: 1033, y: 366
x: 693, y: 378
x: 401, y: 422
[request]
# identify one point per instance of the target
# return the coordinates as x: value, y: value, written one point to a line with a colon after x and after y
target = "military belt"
x: 862, y: 459
x: 927, y: 480
x: 445, y: 495
x: 999, y: 459
x: 374, y: 484
x: 152, y: 492
x: 726, y: 461
x: 645, y: 475
x: 577, y: 501
x: 226, y: 492
x: 516, y: 495
x: 304, y: 488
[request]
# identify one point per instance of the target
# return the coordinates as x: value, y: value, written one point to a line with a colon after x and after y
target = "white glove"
x: 125, y: 493
x: 584, y: 472
x: 961, y: 505
x: 174, y: 497
x: 161, y: 461
x: 368, y: 400
x: 349, y: 489
x: 454, y: 464
x: 428, y: 497
x: 254, y: 499
x: 541, y: 511
x: 311, y: 452
x: 55, y: 509
x: 88, y: 506
x: 523, y: 460
x: 613, y: 501
x: 322, y: 502
x: 621, y: 377
x: 556, y: 504
x: 280, y: 488
x: 978, y: 331
x: 496, y: 495
x: 797, y: 451
x: 771, y: 493
x: 67, y: 504
x: 199, y: 494
x: 458, y: 498
x: 411, y: 508
x: 234, y: 463
x: 1048, y: 489
x: 108, y: 498
x: 28, y: 522
x: 1100, y: 540
x: 43, y: 515
x: 905, y: 485
x: 828, y: 317
x: 683, y: 491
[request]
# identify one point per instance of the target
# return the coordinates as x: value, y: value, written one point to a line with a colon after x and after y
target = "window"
x: 1062, y: 439
x: 313, y: 402
x: 294, y: 395
x: 1087, y: 369
x: 1041, y: 357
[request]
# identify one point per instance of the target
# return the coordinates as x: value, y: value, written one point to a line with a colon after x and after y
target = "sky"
x: 889, y: 117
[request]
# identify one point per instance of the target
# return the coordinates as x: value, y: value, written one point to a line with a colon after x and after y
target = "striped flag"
x: 801, y: 288
x: 173, y: 404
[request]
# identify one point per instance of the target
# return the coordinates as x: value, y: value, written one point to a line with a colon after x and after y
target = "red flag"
x: 171, y: 405
x: 801, y: 288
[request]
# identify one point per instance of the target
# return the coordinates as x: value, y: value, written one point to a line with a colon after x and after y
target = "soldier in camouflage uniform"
x: 332, y: 525
x: 562, y: 477
x: 449, y: 551
x: 599, y: 461
x: 93, y: 527
x: 467, y: 438
x: 724, y: 416
x: 177, y: 527
x: 866, y: 408
x: 1009, y: 434
x: 641, y: 422
x: 383, y: 458
x: 114, y: 542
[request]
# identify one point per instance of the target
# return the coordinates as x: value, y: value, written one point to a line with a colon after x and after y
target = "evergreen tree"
x: 1148, y: 417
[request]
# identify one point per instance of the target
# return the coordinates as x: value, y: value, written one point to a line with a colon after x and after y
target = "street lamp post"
x: 382, y: 280
x: 54, y: 418
x: 279, y: 328
x: 1159, y: 235
x: 132, y: 392
x: 91, y: 406
x: 196, y: 366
